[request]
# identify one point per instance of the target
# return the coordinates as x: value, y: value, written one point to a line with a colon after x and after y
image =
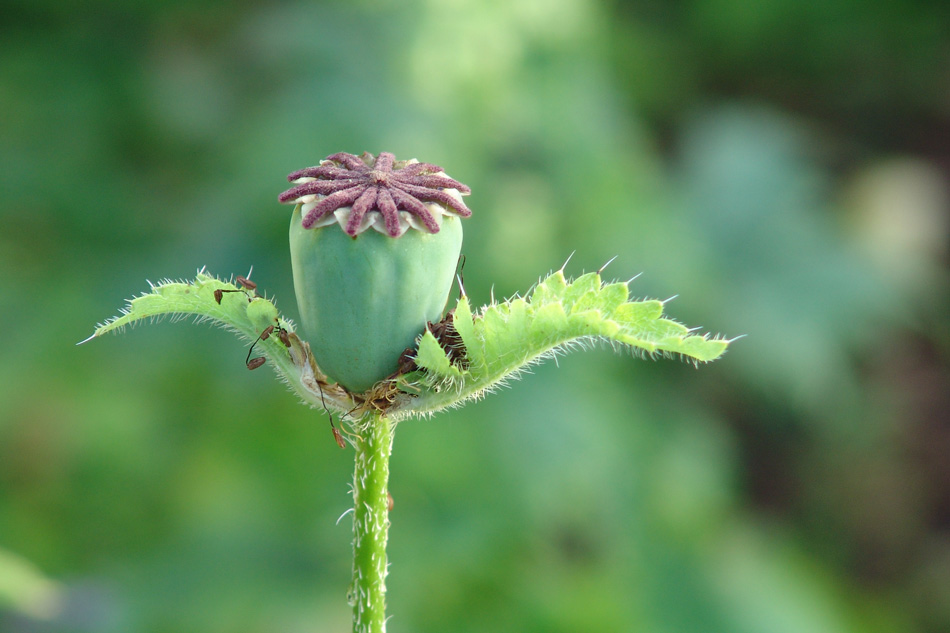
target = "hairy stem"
x: 371, y: 526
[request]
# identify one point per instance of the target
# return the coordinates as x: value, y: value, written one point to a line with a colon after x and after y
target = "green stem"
x: 371, y: 526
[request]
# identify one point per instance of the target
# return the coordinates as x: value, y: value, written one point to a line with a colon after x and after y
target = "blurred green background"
x: 781, y: 166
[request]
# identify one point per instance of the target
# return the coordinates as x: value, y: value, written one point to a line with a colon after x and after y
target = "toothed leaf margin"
x: 504, y: 339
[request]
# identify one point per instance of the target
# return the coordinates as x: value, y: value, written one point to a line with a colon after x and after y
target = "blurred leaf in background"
x: 783, y: 168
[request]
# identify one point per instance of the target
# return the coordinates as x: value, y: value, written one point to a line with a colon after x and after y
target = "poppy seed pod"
x: 374, y: 244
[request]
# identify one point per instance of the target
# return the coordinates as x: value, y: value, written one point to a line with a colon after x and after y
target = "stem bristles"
x: 371, y: 526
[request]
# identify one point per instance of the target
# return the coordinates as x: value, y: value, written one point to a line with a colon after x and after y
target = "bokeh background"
x: 781, y: 166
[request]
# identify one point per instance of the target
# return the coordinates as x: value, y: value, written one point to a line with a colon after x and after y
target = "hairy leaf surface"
x: 498, y: 341
x: 505, y: 338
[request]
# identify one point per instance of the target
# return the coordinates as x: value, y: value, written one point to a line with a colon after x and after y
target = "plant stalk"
x: 371, y: 526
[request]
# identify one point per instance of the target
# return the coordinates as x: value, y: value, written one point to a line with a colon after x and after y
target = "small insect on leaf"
x: 254, y: 363
x: 266, y: 333
x: 389, y: 502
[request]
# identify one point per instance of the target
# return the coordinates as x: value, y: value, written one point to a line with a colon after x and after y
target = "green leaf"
x: 237, y: 309
x: 505, y: 338
x: 431, y: 357
x: 465, y: 326
x: 243, y: 312
x: 499, y: 341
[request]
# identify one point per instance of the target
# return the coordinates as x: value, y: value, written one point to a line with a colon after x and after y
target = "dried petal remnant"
x: 360, y: 192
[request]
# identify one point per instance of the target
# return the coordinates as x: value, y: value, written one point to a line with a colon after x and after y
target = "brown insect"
x: 389, y: 502
x: 254, y: 363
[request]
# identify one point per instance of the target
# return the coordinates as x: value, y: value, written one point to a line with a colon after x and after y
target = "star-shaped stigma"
x: 347, y: 189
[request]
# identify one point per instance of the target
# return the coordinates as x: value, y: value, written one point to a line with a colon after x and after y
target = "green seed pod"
x: 374, y: 244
